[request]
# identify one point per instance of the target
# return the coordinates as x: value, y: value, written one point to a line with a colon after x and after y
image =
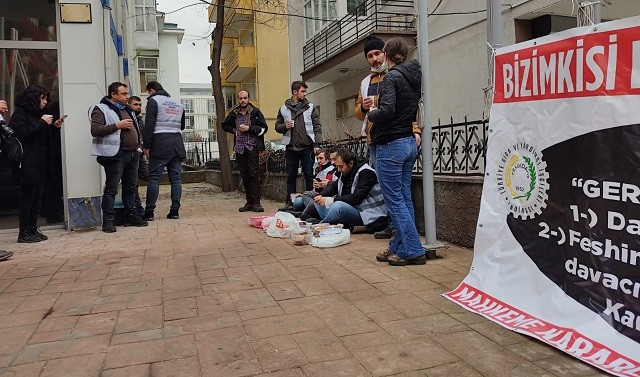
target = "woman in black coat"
x: 396, y: 151
x: 31, y: 126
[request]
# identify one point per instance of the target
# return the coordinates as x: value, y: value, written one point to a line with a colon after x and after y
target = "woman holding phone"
x: 31, y: 124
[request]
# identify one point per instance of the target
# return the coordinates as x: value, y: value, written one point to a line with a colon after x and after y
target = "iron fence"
x: 459, y: 149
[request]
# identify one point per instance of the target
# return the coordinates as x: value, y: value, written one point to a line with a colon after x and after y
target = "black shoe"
x: 296, y: 213
x: 108, y: 226
x: 386, y: 233
x: 257, y: 208
x: 287, y: 207
x: 173, y: 214
x: 4, y: 255
x: 148, y: 216
x: 25, y: 236
x: 132, y: 219
x: 36, y: 231
x: 312, y: 220
x: 246, y: 207
x: 395, y: 260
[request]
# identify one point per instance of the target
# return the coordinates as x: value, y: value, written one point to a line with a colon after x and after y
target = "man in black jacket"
x: 248, y: 126
x: 354, y: 199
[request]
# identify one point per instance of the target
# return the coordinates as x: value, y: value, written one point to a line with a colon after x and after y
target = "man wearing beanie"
x: 368, y: 99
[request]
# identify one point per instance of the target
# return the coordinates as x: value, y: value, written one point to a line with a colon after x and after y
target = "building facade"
x: 75, y: 49
x: 200, y: 135
x: 332, y: 59
x: 255, y: 55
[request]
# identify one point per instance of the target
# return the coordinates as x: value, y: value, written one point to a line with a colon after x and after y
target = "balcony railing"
x: 371, y: 16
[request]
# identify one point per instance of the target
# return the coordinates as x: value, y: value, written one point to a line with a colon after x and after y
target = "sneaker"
x: 132, y: 219
x: 245, y: 208
x: 395, y: 260
x: 4, y: 255
x: 386, y: 233
x: 36, y: 231
x: 25, y: 236
x: 384, y: 256
x: 108, y: 226
x: 257, y: 208
x: 173, y: 214
x: 148, y: 216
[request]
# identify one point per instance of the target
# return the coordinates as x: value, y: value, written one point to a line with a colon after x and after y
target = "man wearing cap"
x: 368, y: 99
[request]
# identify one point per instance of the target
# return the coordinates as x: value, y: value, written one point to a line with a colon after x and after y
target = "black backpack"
x: 11, y: 149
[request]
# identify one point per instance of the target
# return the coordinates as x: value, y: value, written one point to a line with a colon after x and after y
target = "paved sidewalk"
x: 207, y: 295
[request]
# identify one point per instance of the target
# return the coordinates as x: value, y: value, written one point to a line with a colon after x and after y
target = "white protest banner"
x: 557, y: 251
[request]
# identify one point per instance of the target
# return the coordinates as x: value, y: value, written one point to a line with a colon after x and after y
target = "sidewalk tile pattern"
x: 207, y: 295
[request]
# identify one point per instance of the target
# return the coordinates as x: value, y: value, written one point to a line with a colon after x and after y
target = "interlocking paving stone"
x: 210, y: 296
x: 150, y: 351
x: 403, y: 357
x: 77, y: 366
x: 344, y: 367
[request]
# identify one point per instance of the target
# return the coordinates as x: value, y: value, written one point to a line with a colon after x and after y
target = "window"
x: 146, y: 15
x: 189, y: 122
x: 148, y: 69
x: 188, y: 105
x: 320, y: 12
x: 211, y: 106
x: 346, y: 107
x: 356, y: 7
x: 28, y: 20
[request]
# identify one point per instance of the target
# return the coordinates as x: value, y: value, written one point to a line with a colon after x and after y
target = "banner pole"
x: 427, y: 154
x: 494, y: 34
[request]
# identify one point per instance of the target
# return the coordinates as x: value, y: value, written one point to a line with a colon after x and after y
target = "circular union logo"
x: 523, y: 180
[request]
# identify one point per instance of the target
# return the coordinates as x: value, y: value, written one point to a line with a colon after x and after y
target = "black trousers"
x: 249, y: 166
x: 30, y: 200
x: 143, y: 175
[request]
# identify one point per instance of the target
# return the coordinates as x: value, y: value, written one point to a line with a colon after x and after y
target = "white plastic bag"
x: 332, y: 240
x: 283, y: 225
x: 266, y: 222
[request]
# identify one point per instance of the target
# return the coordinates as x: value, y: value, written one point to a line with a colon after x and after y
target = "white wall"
x: 168, y: 64
x: 83, y: 84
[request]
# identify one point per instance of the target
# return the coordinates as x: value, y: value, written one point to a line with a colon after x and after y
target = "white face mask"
x: 381, y: 69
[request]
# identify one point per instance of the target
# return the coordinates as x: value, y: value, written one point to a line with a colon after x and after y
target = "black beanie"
x: 373, y: 43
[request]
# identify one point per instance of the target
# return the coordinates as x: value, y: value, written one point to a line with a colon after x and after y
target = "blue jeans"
x: 340, y: 213
x: 292, y: 160
x: 123, y: 166
x: 394, y: 163
x: 174, y: 169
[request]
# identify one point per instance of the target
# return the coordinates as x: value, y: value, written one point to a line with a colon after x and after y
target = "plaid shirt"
x: 244, y: 140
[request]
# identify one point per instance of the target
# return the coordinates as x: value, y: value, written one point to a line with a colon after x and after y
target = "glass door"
x: 29, y: 55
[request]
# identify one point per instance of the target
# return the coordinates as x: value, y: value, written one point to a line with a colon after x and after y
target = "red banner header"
x: 598, y: 64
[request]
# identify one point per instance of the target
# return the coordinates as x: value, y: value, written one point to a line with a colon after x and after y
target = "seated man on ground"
x: 354, y: 199
x: 324, y: 175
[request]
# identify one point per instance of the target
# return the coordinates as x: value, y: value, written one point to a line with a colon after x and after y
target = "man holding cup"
x: 116, y: 143
x: 368, y: 100
x: 299, y: 122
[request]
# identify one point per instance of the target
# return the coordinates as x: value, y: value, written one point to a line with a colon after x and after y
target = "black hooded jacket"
x: 398, y: 104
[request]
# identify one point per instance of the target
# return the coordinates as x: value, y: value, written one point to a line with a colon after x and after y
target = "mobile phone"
x: 318, y: 179
x: 64, y: 117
